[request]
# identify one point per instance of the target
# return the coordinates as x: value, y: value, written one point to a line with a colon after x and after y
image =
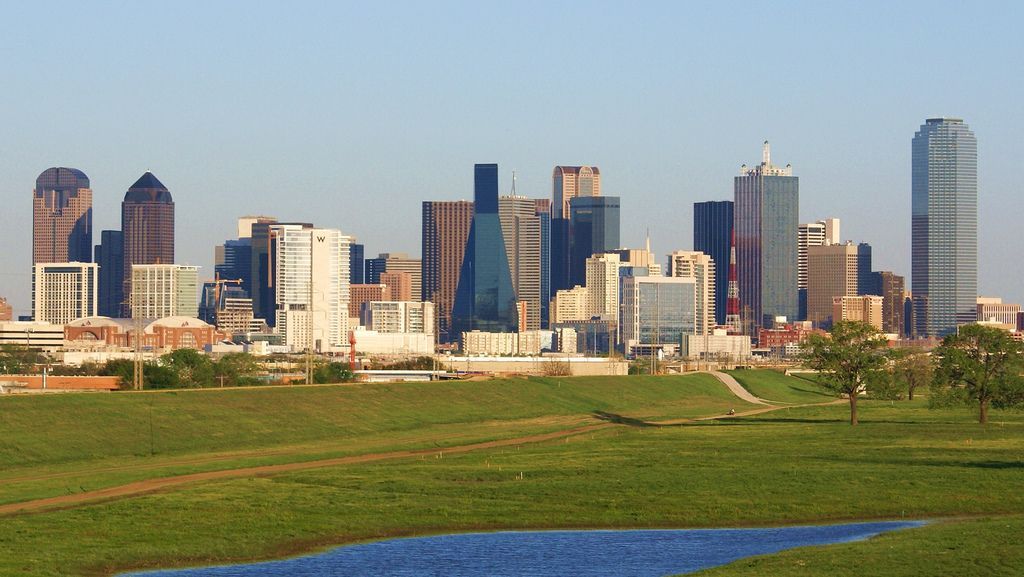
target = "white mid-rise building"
x: 603, y: 285
x: 570, y: 305
x: 700, y: 267
x: 63, y: 291
x: 311, y: 286
x: 164, y: 290
x: 399, y: 317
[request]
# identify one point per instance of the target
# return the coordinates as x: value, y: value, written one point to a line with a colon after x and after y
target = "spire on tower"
x: 732, y: 302
x: 766, y: 154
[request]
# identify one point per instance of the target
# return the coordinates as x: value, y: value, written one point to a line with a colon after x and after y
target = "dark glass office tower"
x: 944, y: 226
x: 484, y: 299
x: 866, y: 281
x: 374, y: 267
x: 544, y: 214
x: 559, y: 255
x: 355, y: 264
x: 712, y: 233
x: 110, y: 285
x: 765, y: 216
x: 237, y: 263
x: 593, y: 229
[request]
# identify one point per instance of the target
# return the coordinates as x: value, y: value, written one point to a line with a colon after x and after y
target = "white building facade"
x: 164, y: 290
x: 63, y: 292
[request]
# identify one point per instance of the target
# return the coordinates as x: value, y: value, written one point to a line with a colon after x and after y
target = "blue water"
x: 633, y: 553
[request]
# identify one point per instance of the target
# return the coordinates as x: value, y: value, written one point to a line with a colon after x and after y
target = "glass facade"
x: 766, y: 222
x: 657, y: 310
x: 944, y: 226
x: 485, y: 299
x: 712, y: 231
x: 593, y: 229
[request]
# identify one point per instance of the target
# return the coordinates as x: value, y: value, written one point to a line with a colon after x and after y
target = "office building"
x: 656, y: 312
x: 233, y: 259
x: 701, y: 267
x: 521, y: 230
x: 568, y: 182
x: 712, y: 235
x: 147, y: 226
x: 812, y: 234
x: 64, y: 291
x: 360, y: 294
x: 993, y: 309
x: 355, y: 264
x: 944, y: 226
x: 311, y: 288
x: 543, y: 212
x: 62, y: 217
x: 164, y: 290
x: 593, y: 229
x: 485, y: 299
x: 832, y: 271
x: 570, y: 305
x: 892, y: 289
x: 262, y: 269
x: 110, y: 258
x: 399, y: 317
x: 395, y: 262
x: 602, y: 284
x: 445, y: 230
x: 765, y: 219
x: 399, y: 286
x: 862, y: 308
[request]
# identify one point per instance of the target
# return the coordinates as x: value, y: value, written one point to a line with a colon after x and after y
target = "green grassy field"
x: 795, y: 465
x: 777, y: 387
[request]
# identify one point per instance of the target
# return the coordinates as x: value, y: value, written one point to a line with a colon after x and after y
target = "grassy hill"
x: 794, y: 465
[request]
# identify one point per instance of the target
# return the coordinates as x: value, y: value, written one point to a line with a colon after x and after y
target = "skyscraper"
x: 395, y: 262
x: 62, y: 217
x: 521, y: 230
x: 355, y: 264
x: 712, y: 234
x: 445, y: 231
x: 147, y: 226
x: 568, y: 182
x: 485, y: 299
x: 701, y: 267
x: 944, y: 226
x: 765, y: 219
x: 593, y: 229
x: 833, y: 270
x: 110, y: 258
x: 543, y: 206
x: 812, y: 234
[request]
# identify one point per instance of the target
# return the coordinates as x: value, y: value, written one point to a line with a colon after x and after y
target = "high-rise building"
x: 360, y: 294
x: 944, y: 226
x: 445, y: 231
x: 64, y: 291
x: 399, y: 285
x: 543, y: 211
x: 568, y: 182
x: 147, y: 226
x: 399, y: 317
x: 521, y: 230
x: 765, y: 218
x: 570, y: 305
x: 164, y: 290
x: 602, y: 282
x: 812, y: 234
x: 893, y: 292
x: 110, y: 258
x: 571, y: 182
x: 712, y: 234
x: 62, y: 217
x: 832, y: 271
x: 311, y: 288
x: 396, y: 262
x: 355, y: 264
x: 485, y: 299
x: 233, y: 259
x: 866, y: 284
x: 593, y: 229
x: 701, y: 267
x: 657, y: 311
x: 262, y: 270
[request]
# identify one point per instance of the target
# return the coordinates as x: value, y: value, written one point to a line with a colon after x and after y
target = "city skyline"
x: 272, y: 138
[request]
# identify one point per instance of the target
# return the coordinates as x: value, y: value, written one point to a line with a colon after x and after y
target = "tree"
x: 19, y: 359
x: 854, y: 353
x: 332, y: 373
x: 236, y: 369
x: 191, y: 368
x: 911, y: 370
x: 980, y: 365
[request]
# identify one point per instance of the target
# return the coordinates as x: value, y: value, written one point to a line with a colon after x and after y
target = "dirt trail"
x: 158, y: 484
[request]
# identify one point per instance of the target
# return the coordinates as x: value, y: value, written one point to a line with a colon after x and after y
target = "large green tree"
x: 979, y: 365
x: 847, y: 358
x: 191, y: 367
x: 912, y: 369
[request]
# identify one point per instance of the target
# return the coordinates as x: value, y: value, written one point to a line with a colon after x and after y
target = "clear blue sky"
x: 350, y: 114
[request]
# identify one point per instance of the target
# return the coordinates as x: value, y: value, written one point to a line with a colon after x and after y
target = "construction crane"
x: 217, y: 284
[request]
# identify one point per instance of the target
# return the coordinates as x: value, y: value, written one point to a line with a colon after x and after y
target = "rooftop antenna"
x: 647, y: 245
x: 513, y: 182
x: 766, y: 154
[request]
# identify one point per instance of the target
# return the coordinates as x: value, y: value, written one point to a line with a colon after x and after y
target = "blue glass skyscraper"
x: 593, y: 229
x: 712, y: 234
x: 485, y: 299
x: 944, y: 226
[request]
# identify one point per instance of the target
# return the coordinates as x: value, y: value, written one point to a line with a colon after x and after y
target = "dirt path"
x: 159, y: 484
x: 737, y: 389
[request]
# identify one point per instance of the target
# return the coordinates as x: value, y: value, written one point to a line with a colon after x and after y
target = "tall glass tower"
x: 944, y: 226
x: 765, y: 218
x: 712, y: 235
x: 485, y: 299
